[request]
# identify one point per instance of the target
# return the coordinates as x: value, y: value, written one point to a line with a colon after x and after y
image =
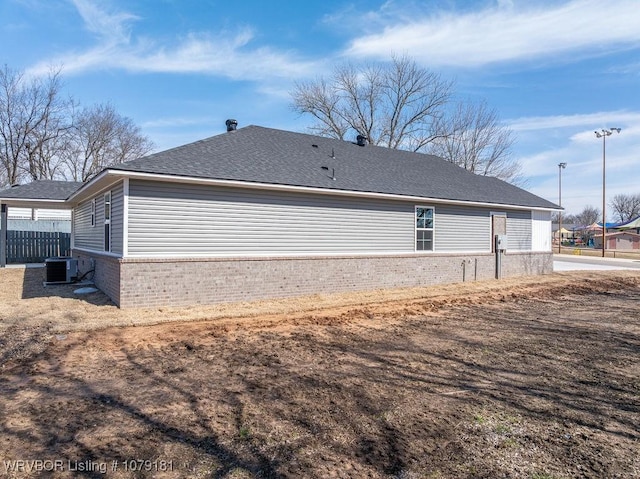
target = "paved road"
x: 566, y: 262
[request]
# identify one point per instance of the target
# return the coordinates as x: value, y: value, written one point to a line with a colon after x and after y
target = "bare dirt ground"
x: 523, y: 378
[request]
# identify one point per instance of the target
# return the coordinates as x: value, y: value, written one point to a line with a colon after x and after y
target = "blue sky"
x: 555, y: 70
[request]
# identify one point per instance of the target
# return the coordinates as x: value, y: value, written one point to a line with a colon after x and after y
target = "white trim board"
x: 277, y: 187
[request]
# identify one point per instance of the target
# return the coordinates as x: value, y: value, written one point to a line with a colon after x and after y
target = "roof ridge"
x: 259, y: 154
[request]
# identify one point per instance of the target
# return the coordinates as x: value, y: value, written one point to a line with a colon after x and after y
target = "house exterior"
x: 38, y: 219
x: 622, y: 240
x: 38, y: 214
x: 261, y: 213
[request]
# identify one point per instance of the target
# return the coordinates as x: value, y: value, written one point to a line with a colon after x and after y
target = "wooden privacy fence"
x: 36, y: 246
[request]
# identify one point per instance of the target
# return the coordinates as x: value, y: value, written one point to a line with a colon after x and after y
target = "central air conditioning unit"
x: 60, y: 270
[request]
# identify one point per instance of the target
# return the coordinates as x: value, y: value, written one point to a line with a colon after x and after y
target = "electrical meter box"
x: 501, y: 242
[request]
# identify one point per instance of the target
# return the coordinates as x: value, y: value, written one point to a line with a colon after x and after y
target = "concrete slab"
x: 566, y: 262
x: 569, y: 266
x: 27, y: 265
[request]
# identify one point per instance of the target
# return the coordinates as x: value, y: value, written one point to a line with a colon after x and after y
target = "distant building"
x: 622, y: 240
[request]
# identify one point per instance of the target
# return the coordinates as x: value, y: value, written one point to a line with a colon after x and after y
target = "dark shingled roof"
x: 265, y: 155
x: 41, y: 190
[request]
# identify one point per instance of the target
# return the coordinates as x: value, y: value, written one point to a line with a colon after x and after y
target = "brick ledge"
x: 319, y: 258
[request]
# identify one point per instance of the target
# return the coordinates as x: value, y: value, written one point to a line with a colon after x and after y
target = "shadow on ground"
x: 33, y: 286
x: 510, y: 389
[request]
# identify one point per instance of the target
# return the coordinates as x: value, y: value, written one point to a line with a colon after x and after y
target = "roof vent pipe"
x: 231, y: 125
x: 361, y: 140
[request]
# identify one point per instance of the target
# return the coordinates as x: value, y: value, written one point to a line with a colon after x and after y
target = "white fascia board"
x: 300, y: 189
x: 35, y: 203
x: 97, y: 185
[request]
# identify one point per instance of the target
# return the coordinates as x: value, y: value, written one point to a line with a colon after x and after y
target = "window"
x: 424, y: 228
x: 93, y: 212
x: 107, y: 221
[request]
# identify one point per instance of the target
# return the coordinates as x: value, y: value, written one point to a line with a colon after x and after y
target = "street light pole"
x: 561, y: 166
x: 604, y: 133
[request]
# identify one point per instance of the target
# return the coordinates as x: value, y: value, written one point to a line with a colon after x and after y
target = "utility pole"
x: 604, y: 133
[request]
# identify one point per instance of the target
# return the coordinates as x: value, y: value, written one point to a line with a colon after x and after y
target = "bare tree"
x: 626, y: 207
x: 396, y: 105
x: 13, y: 112
x: 567, y: 219
x: 44, y: 136
x: 32, y: 116
x: 48, y: 141
x: 588, y: 216
x: 401, y: 105
x: 472, y: 137
x: 101, y: 137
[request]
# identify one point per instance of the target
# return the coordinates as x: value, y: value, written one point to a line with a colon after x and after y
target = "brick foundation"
x: 106, y: 275
x: 181, y: 282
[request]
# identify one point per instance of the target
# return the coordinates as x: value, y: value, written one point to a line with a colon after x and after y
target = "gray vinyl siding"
x: 460, y: 228
x: 117, y: 211
x: 172, y: 219
x: 168, y: 219
x: 92, y: 237
x: 519, y: 231
x: 85, y: 235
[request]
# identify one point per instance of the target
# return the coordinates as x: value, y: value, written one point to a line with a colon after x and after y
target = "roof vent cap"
x: 231, y: 125
x: 361, y: 140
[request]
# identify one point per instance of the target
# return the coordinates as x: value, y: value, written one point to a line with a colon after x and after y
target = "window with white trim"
x: 424, y: 228
x: 93, y: 212
x: 107, y: 221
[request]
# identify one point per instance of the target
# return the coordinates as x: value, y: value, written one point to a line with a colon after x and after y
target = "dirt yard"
x: 534, y: 378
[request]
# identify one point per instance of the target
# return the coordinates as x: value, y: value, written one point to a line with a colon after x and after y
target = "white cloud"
x: 226, y: 54
x: 597, y: 120
x: 506, y: 32
x: 112, y: 26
